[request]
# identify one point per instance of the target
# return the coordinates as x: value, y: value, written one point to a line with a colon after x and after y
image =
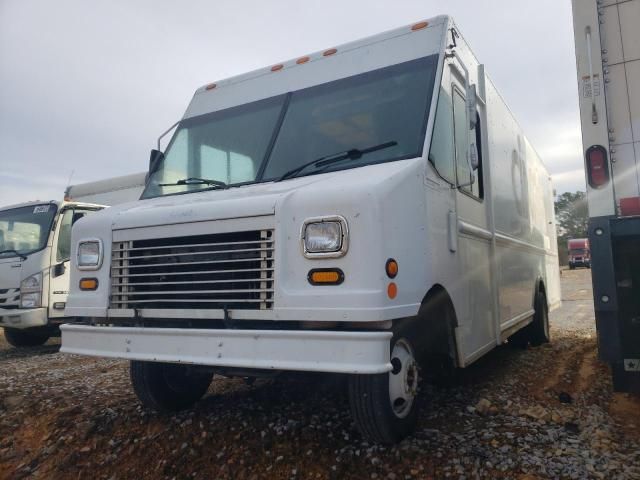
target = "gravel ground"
x: 545, y: 412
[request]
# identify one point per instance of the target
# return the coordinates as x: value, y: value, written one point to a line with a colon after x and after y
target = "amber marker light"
x: 277, y: 68
x: 391, y: 268
x: 420, y: 26
x: 211, y: 86
x: 326, y: 276
x: 302, y: 60
x: 331, y: 51
x: 392, y: 290
x: 88, y: 284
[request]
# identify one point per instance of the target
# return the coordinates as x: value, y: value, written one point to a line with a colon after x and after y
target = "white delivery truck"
x: 607, y: 41
x: 110, y: 191
x: 35, y: 244
x: 359, y: 210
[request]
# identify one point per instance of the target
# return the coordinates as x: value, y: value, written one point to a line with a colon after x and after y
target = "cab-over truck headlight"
x: 325, y: 237
x: 31, y: 291
x: 90, y: 254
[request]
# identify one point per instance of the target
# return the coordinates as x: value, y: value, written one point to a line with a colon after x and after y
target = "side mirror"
x: 59, y: 269
x: 154, y: 162
x: 472, y: 105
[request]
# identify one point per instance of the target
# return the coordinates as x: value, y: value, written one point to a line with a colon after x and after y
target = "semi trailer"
x: 607, y: 41
x: 346, y: 211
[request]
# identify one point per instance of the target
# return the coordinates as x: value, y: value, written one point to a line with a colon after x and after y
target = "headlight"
x: 325, y: 237
x: 31, y: 291
x: 89, y: 254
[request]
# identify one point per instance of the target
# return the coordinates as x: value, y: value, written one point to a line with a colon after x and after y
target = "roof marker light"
x: 419, y: 26
x: 331, y: 51
x: 302, y: 60
x: 211, y: 86
x: 276, y: 68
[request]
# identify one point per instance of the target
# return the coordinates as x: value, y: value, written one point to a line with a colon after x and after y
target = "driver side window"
x: 63, y: 249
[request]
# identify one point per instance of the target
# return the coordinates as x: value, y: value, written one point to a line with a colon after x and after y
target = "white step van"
x: 361, y: 210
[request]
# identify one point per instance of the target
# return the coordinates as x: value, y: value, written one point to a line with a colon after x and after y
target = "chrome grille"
x: 9, y: 298
x: 216, y: 271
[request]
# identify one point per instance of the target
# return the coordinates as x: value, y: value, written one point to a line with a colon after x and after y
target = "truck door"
x: 60, y: 256
x: 478, y: 329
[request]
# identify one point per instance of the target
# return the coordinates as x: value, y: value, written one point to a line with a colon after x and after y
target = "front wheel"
x: 26, y: 337
x: 385, y: 406
x: 168, y: 387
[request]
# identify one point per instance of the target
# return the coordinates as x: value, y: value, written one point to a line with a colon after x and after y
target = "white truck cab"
x: 360, y: 210
x: 35, y: 245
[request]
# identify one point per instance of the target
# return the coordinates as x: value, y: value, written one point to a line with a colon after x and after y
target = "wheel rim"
x: 403, y: 379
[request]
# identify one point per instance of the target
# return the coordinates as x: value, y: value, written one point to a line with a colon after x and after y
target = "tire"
x: 168, y: 387
x: 537, y: 332
x: 377, y: 416
x: 25, y: 338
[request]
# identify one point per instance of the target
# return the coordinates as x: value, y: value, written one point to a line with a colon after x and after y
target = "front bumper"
x: 23, y: 318
x: 301, y: 350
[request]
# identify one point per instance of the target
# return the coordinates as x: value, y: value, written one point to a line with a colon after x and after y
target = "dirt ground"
x: 546, y: 412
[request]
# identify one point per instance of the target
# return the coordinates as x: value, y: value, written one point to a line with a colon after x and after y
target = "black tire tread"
x: 365, y: 410
x: 534, y: 334
x: 22, y: 338
x: 153, y: 392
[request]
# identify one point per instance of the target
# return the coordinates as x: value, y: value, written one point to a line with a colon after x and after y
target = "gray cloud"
x: 88, y: 86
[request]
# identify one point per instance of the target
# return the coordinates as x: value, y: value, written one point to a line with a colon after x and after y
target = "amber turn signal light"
x: 325, y: 276
x: 391, y: 268
x: 88, y: 284
x: 392, y: 290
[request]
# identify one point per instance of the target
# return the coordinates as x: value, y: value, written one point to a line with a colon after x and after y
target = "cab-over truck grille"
x: 216, y: 271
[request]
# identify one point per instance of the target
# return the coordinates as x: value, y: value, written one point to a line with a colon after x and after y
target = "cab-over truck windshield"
x: 264, y: 140
x: 24, y: 230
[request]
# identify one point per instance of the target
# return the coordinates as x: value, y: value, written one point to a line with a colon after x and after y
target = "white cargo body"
x: 356, y: 210
x: 607, y: 41
x: 110, y: 191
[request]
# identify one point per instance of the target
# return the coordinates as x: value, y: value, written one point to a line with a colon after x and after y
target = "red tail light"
x: 597, y: 166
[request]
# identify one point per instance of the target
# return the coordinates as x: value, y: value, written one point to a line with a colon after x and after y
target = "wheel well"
x: 435, y: 326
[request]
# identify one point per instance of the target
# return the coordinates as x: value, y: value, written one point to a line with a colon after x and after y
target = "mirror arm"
x: 166, y: 132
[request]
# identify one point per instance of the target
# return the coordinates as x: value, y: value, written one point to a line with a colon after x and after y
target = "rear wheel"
x: 385, y: 406
x: 168, y: 387
x: 25, y: 338
x: 537, y: 332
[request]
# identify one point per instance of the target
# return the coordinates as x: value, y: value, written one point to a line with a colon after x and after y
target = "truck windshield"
x: 24, y: 230
x: 263, y: 140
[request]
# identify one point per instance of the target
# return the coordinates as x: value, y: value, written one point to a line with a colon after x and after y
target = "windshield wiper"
x: 195, y: 181
x: 353, y: 154
x: 11, y: 250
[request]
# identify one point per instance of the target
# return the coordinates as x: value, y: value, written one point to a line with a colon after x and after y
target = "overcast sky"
x: 87, y: 86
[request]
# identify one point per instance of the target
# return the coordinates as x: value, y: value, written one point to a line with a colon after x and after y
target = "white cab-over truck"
x: 35, y: 244
x: 607, y: 37
x: 361, y: 210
